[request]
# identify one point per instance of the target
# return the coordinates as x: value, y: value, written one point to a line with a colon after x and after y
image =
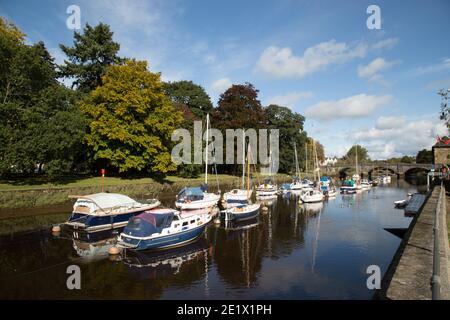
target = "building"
x: 441, y: 152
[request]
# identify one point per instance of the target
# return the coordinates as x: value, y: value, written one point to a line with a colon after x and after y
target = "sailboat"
x: 297, y: 184
x: 356, y: 177
x: 244, y: 211
x: 239, y: 196
x: 192, y: 198
x: 268, y: 188
x: 314, y: 194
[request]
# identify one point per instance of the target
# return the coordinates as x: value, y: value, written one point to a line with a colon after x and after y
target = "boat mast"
x: 306, y: 157
x: 356, y: 162
x: 206, y: 149
x: 316, y: 161
x: 248, y: 171
x: 243, y: 159
x: 296, y: 161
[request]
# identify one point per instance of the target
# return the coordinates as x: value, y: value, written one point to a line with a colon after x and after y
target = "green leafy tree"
x: 193, y: 101
x: 131, y: 119
x: 362, y: 154
x: 91, y: 54
x: 191, y: 95
x: 39, y: 123
x: 424, y: 156
x: 290, y: 125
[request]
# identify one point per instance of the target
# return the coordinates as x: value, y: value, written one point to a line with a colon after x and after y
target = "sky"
x: 374, y: 87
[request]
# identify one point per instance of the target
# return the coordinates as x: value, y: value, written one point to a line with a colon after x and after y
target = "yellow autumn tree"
x: 131, y: 119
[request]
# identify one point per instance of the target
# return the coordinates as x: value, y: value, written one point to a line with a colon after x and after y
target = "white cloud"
x: 391, y: 138
x: 373, y: 68
x: 441, y: 66
x: 282, y: 62
x: 221, y: 85
x: 290, y: 99
x: 384, y: 123
x: 385, y: 44
x: 358, y: 106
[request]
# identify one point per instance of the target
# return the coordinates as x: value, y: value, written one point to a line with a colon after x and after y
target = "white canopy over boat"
x: 102, y: 201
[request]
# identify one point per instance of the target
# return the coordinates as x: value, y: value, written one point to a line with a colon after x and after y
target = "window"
x: 192, y: 221
x: 184, y: 224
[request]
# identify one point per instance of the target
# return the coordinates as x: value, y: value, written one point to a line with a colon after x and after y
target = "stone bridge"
x: 399, y: 169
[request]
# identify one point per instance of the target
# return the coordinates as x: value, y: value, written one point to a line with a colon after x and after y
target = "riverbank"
x: 20, y: 196
x: 409, y: 274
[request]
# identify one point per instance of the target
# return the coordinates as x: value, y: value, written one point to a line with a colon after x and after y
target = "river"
x: 293, y: 251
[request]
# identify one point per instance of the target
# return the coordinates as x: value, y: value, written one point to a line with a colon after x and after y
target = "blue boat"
x: 161, y: 229
x: 105, y: 211
x: 285, y: 188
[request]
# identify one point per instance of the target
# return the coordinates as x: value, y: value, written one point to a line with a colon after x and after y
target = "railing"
x: 436, y: 277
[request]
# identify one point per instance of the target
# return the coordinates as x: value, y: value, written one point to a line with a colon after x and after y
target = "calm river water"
x: 294, y: 251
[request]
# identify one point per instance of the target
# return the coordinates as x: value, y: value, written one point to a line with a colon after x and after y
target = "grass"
x: 39, y: 192
x: 39, y: 183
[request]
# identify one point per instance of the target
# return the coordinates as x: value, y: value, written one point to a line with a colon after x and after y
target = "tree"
x: 362, y: 154
x: 39, y: 123
x: 191, y: 95
x: 290, y: 125
x: 193, y: 101
x: 424, y: 156
x: 91, y: 54
x: 131, y: 119
x: 238, y: 108
x: 407, y: 159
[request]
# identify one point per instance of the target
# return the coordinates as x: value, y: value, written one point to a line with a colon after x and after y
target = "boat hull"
x: 200, y: 204
x: 94, y: 223
x: 235, y: 215
x: 163, y: 242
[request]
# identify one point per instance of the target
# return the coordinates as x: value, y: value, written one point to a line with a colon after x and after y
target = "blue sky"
x: 355, y: 85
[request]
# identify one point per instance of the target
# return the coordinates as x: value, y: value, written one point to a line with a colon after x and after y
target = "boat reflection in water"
x: 92, y: 246
x: 160, y: 264
x: 311, y: 208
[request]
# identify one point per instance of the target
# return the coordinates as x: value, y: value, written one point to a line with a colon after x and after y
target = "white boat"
x: 266, y: 189
x: 331, y: 192
x: 191, y: 198
x: 239, y: 196
x: 365, y: 184
x: 243, y: 212
x: 311, y: 196
x: 103, y: 211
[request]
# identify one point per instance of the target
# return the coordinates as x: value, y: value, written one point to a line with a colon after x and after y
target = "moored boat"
x: 103, y: 211
x: 161, y: 229
x: 285, y: 188
x: 311, y: 196
x: 266, y: 189
x: 243, y: 212
x: 191, y: 198
x: 348, y: 187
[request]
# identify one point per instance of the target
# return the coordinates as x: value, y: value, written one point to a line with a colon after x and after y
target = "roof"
x: 108, y: 200
x: 441, y: 144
